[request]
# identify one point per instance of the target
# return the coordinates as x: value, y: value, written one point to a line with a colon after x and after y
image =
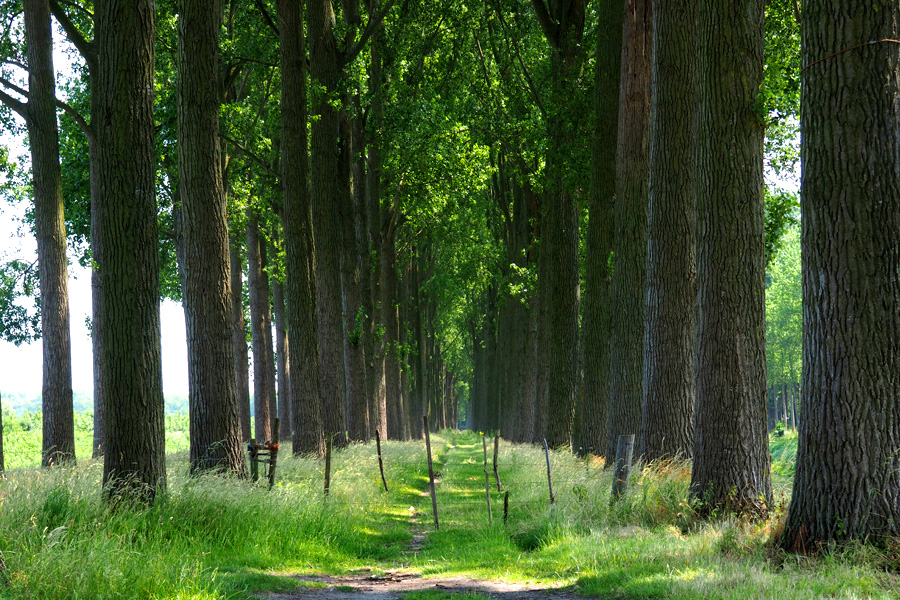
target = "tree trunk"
x: 847, y: 483
x: 328, y: 192
x: 391, y: 319
x: 282, y: 355
x: 215, y: 426
x: 49, y: 222
x: 134, y: 458
x: 667, y: 419
x: 731, y: 459
x: 239, y: 340
x: 354, y: 312
x: 558, y: 277
x: 628, y: 287
x: 300, y: 282
x: 596, y: 319
x: 259, y: 326
x: 271, y: 376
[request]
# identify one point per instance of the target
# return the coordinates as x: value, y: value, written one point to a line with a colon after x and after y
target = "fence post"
x: 254, y: 460
x: 549, y: 478
x: 273, y: 452
x: 487, y: 481
x: 380, y: 461
x: 624, y: 452
x: 505, y: 506
x: 496, y: 450
x: 431, y: 473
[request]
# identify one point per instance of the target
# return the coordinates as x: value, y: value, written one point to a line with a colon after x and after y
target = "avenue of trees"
x: 548, y: 218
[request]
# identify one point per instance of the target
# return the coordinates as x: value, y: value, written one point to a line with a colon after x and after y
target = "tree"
x: 595, y: 322
x: 300, y: 283
x: 43, y: 134
x: 134, y: 461
x: 847, y: 479
x: 563, y: 25
x: 667, y: 425
x: 628, y: 286
x: 215, y: 419
x: 731, y: 460
x: 239, y: 339
x: 260, y: 328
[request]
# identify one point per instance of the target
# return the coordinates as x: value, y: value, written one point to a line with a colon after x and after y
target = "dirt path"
x: 394, y: 584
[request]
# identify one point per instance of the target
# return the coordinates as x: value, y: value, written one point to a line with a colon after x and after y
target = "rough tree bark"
x: 215, y: 426
x: 667, y: 421
x: 49, y: 223
x: 326, y: 194
x: 628, y: 286
x: 731, y: 458
x: 300, y: 282
x: 563, y: 25
x: 595, y: 322
x: 134, y: 458
x: 847, y: 485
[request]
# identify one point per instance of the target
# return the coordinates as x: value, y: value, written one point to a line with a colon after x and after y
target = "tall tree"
x: 847, y: 484
x: 134, y: 461
x: 326, y: 186
x: 731, y: 459
x: 260, y: 328
x: 43, y: 136
x: 300, y: 283
x: 562, y: 22
x: 628, y: 286
x: 667, y: 424
x: 282, y: 360
x: 215, y: 428
x: 239, y: 339
x: 595, y: 322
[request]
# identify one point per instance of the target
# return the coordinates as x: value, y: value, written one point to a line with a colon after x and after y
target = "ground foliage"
x: 213, y: 537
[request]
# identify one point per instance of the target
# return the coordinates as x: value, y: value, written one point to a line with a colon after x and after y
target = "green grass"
x: 216, y: 538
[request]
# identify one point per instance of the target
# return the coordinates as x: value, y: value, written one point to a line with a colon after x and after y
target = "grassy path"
x: 217, y: 538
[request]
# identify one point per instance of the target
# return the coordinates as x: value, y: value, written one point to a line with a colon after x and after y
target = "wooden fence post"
x: 487, y: 481
x: 505, y: 506
x: 624, y: 452
x: 431, y: 473
x: 380, y: 461
x: 549, y: 478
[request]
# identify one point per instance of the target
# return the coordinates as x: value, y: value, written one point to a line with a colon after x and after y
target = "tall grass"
x: 214, y: 537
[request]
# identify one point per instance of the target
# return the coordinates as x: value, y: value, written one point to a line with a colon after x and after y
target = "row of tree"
x: 434, y: 183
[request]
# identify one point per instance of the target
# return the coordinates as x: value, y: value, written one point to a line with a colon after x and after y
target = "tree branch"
x: 86, y: 48
x: 267, y: 17
x: 249, y: 154
x: 373, y: 24
x: 546, y: 22
x: 14, y: 87
x: 79, y: 120
x: 20, y: 108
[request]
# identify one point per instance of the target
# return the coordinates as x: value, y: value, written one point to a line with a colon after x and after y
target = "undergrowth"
x: 215, y: 537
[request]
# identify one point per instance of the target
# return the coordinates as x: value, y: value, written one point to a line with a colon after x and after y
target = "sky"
x: 21, y: 367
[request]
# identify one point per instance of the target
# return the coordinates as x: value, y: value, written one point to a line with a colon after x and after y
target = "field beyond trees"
x: 213, y: 537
